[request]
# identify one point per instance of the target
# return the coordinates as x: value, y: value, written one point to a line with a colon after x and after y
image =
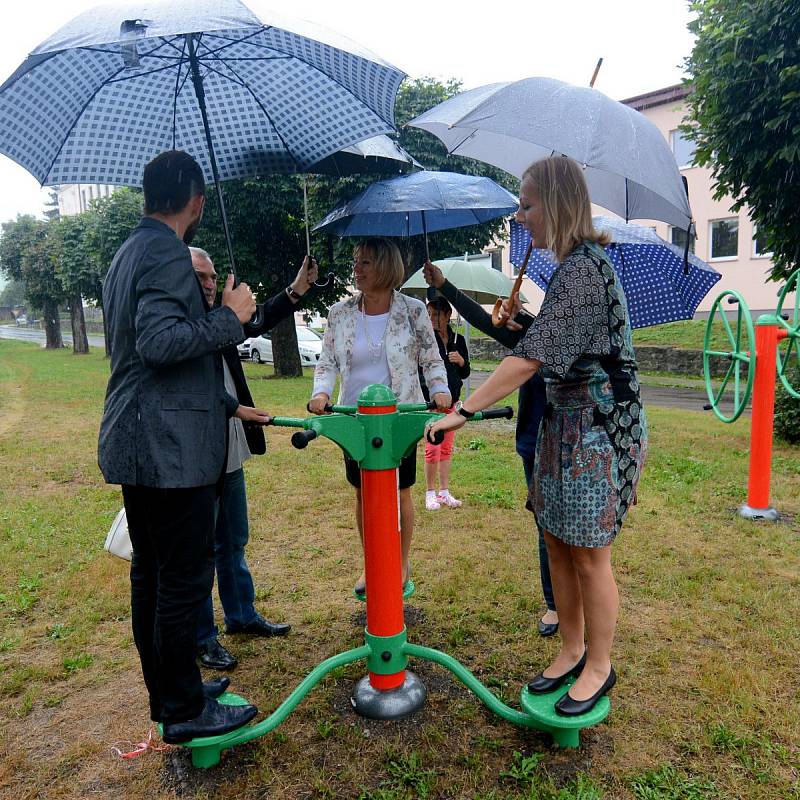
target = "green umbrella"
x: 483, y: 284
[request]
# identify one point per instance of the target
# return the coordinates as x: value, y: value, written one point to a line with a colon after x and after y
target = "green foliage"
x: 13, y: 293
x: 667, y: 783
x: 787, y: 408
x: 25, y: 256
x: 745, y: 112
x: 523, y: 769
x: 76, y: 663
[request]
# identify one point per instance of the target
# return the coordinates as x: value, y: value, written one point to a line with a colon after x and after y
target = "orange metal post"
x: 767, y: 337
x: 380, y: 509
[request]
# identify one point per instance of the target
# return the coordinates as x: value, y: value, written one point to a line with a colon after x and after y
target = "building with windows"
x: 74, y: 198
x: 726, y: 239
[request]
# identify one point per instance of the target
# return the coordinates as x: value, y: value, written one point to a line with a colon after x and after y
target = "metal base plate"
x: 392, y: 704
x: 770, y: 514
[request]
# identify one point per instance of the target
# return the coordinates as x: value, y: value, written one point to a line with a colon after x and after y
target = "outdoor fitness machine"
x: 377, y: 433
x: 758, y: 354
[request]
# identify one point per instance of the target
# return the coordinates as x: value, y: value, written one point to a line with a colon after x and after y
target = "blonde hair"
x: 566, y: 206
x: 389, y: 270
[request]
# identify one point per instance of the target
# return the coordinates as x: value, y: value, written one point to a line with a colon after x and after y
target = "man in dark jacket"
x: 234, y: 581
x: 163, y: 438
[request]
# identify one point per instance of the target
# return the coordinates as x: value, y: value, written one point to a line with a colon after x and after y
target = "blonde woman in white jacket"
x: 380, y: 336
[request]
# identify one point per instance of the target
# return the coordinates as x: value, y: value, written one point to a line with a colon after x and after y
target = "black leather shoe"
x: 216, y: 688
x: 261, y: 627
x: 214, y: 720
x: 568, y: 707
x: 542, y: 685
x: 547, y: 628
x: 213, y: 655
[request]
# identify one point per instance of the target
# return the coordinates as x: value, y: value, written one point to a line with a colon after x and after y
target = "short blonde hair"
x: 389, y: 269
x: 566, y: 206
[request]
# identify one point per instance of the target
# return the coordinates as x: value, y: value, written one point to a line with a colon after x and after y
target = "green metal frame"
x: 790, y: 344
x: 381, y: 440
x: 737, y: 357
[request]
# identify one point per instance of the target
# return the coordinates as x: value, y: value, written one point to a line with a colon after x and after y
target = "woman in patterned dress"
x: 593, y: 438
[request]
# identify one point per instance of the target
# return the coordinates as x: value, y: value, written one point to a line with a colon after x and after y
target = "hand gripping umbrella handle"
x: 498, y: 304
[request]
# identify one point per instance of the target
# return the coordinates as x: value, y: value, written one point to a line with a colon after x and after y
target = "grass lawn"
x: 707, y: 700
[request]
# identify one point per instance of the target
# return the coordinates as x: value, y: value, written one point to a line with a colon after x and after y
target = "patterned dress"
x: 593, y: 438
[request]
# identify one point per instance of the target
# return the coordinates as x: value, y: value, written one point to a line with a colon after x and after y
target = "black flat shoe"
x: 542, y: 685
x: 216, y: 688
x: 214, y: 720
x: 547, y: 628
x: 568, y: 707
x: 261, y: 627
x: 213, y: 655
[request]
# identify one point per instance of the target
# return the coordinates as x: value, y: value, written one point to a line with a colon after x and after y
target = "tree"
x: 76, y: 268
x: 112, y: 220
x: 13, y: 294
x: 744, y: 113
x: 26, y: 255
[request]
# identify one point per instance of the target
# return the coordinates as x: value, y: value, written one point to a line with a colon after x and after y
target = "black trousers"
x: 172, y: 572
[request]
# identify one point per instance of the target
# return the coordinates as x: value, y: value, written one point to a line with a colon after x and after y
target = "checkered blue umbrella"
x: 245, y: 94
x: 658, y: 287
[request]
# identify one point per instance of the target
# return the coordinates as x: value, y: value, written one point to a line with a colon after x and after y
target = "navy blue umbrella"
x: 245, y: 94
x: 420, y: 203
x: 658, y: 286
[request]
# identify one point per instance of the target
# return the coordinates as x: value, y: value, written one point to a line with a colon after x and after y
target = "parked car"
x: 259, y: 348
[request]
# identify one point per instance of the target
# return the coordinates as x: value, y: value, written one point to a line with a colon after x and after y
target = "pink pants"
x: 434, y: 453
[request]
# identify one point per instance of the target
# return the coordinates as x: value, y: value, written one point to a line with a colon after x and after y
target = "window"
x: 760, y: 246
x: 682, y: 148
x: 678, y: 237
x: 724, y: 238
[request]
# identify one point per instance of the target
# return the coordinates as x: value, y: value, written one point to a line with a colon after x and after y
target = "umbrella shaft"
x: 197, y: 82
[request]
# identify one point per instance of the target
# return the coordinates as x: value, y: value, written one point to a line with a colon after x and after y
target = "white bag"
x: 118, y: 541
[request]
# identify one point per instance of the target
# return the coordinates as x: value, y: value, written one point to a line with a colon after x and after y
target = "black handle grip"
x: 707, y: 407
x: 431, y: 294
x: 328, y: 408
x: 504, y: 412
x: 437, y: 437
x: 300, y: 439
x: 732, y: 300
x: 257, y: 320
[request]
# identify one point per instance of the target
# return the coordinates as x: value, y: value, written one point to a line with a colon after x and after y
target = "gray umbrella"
x: 629, y: 166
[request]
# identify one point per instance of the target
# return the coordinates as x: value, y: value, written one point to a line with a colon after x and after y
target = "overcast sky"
x: 643, y: 44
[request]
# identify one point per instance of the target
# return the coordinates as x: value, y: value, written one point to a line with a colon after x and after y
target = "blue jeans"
x: 544, y: 564
x: 234, y: 582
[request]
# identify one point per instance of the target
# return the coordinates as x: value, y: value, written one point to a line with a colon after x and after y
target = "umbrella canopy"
x: 376, y: 155
x: 420, y: 203
x: 657, y: 285
x: 483, y: 284
x: 120, y: 84
x: 630, y: 169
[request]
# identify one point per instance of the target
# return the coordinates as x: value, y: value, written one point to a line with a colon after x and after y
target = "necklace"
x: 375, y: 349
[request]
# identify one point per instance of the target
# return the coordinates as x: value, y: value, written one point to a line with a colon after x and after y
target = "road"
x: 35, y: 335
x: 663, y: 396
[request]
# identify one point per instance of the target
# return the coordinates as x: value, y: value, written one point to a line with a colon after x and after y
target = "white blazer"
x: 410, y: 344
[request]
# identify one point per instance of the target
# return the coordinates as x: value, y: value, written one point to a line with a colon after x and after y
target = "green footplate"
x: 408, y: 590
x: 227, y: 699
x: 565, y: 730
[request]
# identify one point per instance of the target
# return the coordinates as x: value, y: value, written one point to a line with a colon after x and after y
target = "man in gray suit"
x: 163, y: 437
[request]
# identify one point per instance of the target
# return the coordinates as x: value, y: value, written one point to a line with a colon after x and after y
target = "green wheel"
x: 735, y: 344
x: 789, y: 348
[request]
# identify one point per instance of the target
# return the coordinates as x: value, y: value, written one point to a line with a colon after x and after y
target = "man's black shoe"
x: 216, y: 688
x: 213, y: 655
x: 261, y: 627
x: 214, y: 720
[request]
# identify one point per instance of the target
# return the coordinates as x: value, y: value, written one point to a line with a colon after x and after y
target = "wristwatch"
x: 293, y: 294
x: 459, y: 409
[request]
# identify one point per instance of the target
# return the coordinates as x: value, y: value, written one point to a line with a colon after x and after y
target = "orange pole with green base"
x: 768, y: 333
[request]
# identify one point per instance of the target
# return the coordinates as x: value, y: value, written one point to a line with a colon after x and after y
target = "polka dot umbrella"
x: 658, y: 286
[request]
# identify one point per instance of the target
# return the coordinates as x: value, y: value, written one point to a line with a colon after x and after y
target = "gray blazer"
x: 166, y: 410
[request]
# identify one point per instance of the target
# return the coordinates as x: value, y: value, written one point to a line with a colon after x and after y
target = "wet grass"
x: 706, y: 705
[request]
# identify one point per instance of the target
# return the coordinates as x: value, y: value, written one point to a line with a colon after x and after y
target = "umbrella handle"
x: 498, y: 304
